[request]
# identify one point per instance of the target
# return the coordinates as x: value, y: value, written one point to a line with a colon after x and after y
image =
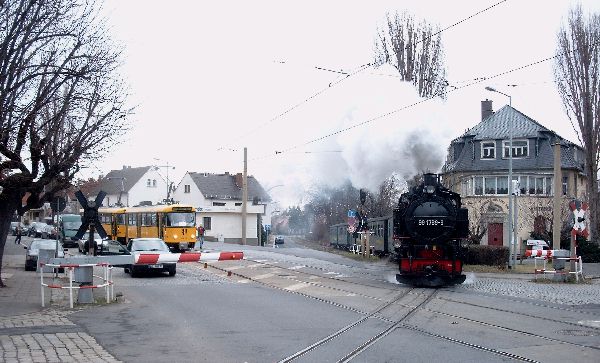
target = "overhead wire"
x: 348, y: 75
x: 373, y: 119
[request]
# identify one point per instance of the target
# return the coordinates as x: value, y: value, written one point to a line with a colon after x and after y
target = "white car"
x: 83, y: 246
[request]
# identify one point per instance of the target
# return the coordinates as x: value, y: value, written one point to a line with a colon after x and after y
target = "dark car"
x: 33, y: 251
x: 279, y: 240
x: 139, y: 246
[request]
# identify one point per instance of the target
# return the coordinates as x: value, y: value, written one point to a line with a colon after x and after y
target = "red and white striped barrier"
x: 539, y: 253
x: 154, y: 258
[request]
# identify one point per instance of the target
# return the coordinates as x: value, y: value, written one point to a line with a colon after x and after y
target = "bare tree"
x: 577, y: 76
x: 415, y: 50
x: 61, y: 99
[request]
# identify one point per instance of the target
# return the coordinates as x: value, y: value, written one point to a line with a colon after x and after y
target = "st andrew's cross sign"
x: 90, y: 216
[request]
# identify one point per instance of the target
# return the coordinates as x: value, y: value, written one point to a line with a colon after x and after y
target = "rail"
x: 108, y: 284
x: 578, y: 267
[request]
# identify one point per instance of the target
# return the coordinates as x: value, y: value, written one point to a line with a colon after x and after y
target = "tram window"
x: 131, y: 219
x: 181, y: 219
x: 120, y: 218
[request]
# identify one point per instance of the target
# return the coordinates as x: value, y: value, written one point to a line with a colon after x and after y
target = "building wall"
x: 142, y: 192
x: 494, y: 209
x: 226, y: 220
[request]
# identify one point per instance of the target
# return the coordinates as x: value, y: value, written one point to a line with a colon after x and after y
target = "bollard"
x: 229, y: 273
x: 85, y: 276
x: 205, y: 265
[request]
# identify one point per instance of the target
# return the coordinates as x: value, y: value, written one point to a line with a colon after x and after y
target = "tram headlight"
x: 193, y: 236
x: 175, y: 236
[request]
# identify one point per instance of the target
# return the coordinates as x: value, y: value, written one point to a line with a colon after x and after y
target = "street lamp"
x: 168, y: 167
x: 512, y: 230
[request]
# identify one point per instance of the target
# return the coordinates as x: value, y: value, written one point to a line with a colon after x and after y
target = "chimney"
x: 239, y: 180
x: 486, y: 109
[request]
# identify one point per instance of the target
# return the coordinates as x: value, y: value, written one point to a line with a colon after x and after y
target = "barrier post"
x: 71, y: 287
x: 107, y: 284
x: 42, y: 287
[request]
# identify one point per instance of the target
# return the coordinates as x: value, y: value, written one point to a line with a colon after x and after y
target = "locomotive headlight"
x: 429, y: 189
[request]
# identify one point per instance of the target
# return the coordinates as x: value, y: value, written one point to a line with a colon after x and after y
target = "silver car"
x: 33, y: 251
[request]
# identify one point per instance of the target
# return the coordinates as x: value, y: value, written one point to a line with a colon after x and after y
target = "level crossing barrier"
x: 69, y: 268
x: 578, y: 267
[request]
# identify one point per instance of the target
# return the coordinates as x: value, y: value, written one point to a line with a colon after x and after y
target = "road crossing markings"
x: 296, y: 267
x: 296, y: 287
x: 263, y: 276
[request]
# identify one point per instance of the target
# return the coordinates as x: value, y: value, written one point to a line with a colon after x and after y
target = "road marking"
x: 234, y: 268
x: 263, y: 276
x: 296, y: 267
x: 592, y: 323
x: 296, y: 287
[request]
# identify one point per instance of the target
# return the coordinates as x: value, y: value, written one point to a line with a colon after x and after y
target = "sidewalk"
x: 31, y: 333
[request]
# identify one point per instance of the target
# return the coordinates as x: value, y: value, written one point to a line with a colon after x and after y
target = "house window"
x: 154, y: 183
x: 478, y: 185
x: 218, y: 204
x: 186, y: 188
x: 238, y: 204
x: 520, y: 148
x: 148, y: 182
x: 548, y: 186
x: 502, y: 185
x: 206, y: 223
x: 488, y: 150
x: 490, y: 185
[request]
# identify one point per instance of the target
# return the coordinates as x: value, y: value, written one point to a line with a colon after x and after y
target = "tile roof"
x: 111, y: 183
x: 464, y: 151
x: 498, y: 125
x: 223, y: 186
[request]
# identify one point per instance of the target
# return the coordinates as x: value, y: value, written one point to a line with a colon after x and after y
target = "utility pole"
x: 245, y: 196
x: 556, y: 210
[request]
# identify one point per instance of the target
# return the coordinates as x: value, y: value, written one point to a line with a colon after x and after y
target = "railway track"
x: 394, y: 313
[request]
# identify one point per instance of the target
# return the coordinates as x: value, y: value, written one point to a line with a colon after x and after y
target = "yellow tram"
x: 175, y: 224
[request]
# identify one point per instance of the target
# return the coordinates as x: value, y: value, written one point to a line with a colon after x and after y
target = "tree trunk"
x: 8, y: 206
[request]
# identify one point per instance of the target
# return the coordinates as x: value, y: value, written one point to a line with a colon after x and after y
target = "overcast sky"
x: 210, y: 78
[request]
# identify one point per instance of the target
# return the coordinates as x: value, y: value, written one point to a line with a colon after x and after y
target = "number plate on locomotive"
x: 430, y: 222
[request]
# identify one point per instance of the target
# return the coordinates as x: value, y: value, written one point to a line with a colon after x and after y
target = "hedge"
x: 486, y: 255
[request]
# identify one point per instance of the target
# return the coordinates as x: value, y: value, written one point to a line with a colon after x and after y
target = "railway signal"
x: 90, y: 219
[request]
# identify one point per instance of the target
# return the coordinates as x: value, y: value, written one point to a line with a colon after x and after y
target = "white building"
x: 133, y: 186
x: 218, y: 201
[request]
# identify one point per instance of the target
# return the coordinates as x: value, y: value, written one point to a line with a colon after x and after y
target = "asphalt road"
x: 293, y: 303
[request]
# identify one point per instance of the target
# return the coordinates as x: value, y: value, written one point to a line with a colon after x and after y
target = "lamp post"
x: 512, y: 230
x: 167, y: 167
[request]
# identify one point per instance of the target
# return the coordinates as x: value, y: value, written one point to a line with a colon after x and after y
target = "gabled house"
x: 218, y: 199
x: 477, y: 167
x: 133, y: 186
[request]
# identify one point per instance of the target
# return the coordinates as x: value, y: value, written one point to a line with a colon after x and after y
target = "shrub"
x: 486, y: 255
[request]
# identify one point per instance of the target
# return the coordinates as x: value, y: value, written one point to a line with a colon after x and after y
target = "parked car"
x: 49, y: 231
x: 83, y: 244
x: 279, y: 240
x: 149, y: 246
x: 36, y: 229
x: 33, y: 251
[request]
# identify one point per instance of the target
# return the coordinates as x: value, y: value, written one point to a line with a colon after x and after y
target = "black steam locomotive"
x: 429, y: 223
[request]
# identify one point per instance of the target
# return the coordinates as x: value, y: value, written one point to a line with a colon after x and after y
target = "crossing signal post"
x: 90, y: 221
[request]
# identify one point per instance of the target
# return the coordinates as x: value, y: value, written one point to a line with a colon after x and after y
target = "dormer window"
x: 520, y: 148
x: 488, y: 150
